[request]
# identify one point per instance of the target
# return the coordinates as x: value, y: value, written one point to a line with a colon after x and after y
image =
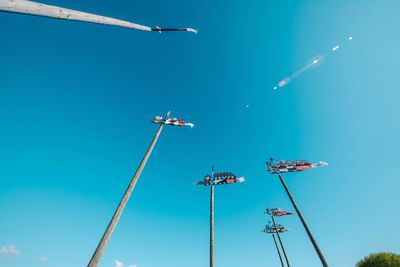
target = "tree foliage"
x: 380, y: 260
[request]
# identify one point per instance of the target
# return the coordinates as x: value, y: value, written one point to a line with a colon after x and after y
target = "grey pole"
x: 107, y: 235
x: 277, y: 248
x: 321, y: 257
x: 280, y: 241
x: 212, y: 223
x: 38, y: 9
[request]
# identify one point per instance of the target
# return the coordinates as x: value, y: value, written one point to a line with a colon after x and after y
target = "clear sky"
x: 76, y: 101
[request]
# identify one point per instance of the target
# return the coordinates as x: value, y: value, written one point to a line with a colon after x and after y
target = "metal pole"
x: 212, y: 224
x: 280, y: 241
x: 277, y: 248
x: 107, y: 235
x: 321, y: 257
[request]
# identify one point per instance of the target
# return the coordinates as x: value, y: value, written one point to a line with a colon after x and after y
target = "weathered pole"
x: 211, y: 180
x: 212, y: 223
x: 280, y: 241
x: 321, y: 257
x: 277, y: 248
x: 107, y: 235
x: 39, y: 9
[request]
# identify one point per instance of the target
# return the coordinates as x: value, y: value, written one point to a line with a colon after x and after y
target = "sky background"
x: 76, y: 101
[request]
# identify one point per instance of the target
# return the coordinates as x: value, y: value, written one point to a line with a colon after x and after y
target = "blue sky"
x: 76, y: 101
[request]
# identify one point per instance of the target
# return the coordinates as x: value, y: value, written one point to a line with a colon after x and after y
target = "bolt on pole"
x: 280, y: 241
x: 321, y: 256
x: 107, y: 235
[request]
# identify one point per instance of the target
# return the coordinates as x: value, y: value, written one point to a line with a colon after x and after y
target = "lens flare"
x: 312, y: 63
x: 284, y: 81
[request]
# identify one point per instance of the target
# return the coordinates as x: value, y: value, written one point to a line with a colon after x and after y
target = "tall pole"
x: 212, y: 223
x: 38, y: 9
x: 222, y: 178
x: 107, y: 235
x: 277, y: 248
x: 280, y: 241
x: 321, y: 257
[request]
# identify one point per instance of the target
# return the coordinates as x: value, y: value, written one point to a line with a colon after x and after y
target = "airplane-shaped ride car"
x: 221, y: 178
x: 270, y: 229
x: 277, y: 212
x: 171, y: 121
x: 292, y: 166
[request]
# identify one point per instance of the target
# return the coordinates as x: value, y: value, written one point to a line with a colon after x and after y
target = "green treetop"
x: 380, y: 260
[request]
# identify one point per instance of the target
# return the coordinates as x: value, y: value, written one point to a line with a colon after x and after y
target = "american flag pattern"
x: 291, y: 166
x: 221, y: 178
x: 270, y: 229
x: 277, y: 212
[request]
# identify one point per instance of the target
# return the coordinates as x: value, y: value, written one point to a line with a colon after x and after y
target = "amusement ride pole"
x: 107, y: 235
x: 280, y: 241
x: 277, y: 248
x: 38, y: 9
x: 321, y: 257
x: 210, y: 180
x: 212, y: 223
